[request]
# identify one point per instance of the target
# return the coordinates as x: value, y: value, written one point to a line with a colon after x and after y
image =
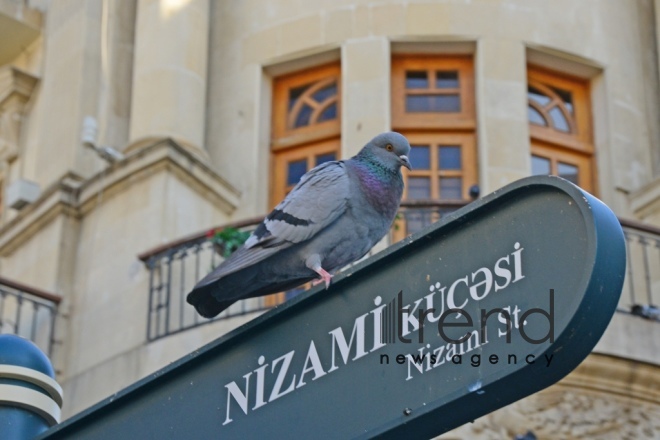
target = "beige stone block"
x: 169, y: 76
x: 361, y: 21
x: 168, y: 102
x: 507, y: 143
x: 495, y: 178
x: 300, y: 34
x: 338, y: 25
x: 387, y: 19
x: 365, y: 92
x: 428, y: 18
x: 99, y: 382
x: 260, y: 46
x: 366, y: 60
x: 260, y: 14
x: 501, y: 59
x: 504, y: 100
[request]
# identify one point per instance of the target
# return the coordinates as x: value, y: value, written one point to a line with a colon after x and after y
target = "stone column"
x: 503, y: 133
x: 365, y: 72
x: 169, y: 75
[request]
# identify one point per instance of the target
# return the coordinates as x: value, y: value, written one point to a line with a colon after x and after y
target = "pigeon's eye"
x: 389, y: 147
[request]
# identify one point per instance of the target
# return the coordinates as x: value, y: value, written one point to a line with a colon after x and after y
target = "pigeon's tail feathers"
x: 212, y: 295
x: 205, y: 303
x: 211, y: 299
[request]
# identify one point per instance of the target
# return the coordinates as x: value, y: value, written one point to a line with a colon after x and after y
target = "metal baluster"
x: 33, y: 329
x: 628, y: 239
x: 150, y: 265
x: 182, y: 291
x: 160, y: 299
x: 198, y: 249
x: 168, y: 293
x: 647, y: 271
x: 3, y: 299
x: 51, y: 339
x: 19, y: 308
x: 657, y: 245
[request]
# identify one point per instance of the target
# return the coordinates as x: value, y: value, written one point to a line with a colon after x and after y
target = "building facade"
x: 212, y: 110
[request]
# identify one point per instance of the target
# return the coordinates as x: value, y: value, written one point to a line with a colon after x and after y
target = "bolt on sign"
x: 495, y: 302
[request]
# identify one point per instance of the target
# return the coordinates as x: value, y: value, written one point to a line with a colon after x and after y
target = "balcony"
x: 174, y: 268
x: 28, y: 312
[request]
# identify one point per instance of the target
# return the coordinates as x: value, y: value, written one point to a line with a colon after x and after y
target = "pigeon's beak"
x: 405, y: 162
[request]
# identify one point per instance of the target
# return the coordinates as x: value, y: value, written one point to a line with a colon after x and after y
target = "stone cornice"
x: 15, y: 82
x: 646, y: 200
x: 75, y: 197
x: 616, y: 375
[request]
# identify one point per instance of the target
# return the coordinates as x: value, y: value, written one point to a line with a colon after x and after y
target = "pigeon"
x: 335, y: 214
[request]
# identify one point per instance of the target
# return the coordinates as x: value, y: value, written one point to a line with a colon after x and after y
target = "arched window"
x: 306, y: 125
x: 560, y: 127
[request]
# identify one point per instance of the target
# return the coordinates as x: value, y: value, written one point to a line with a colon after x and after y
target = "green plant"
x: 227, y: 240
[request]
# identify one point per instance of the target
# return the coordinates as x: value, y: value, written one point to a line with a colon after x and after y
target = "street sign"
x: 494, y: 302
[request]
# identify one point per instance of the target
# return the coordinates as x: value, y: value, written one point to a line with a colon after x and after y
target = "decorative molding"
x: 16, y: 87
x: 645, y: 202
x: 76, y: 197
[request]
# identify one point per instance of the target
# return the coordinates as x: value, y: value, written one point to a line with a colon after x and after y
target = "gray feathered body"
x: 336, y: 214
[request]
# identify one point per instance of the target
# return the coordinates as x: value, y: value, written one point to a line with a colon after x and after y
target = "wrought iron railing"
x: 173, y: 271
x: 174, y: 268
x: 641, y: 290
x: 28, y: 312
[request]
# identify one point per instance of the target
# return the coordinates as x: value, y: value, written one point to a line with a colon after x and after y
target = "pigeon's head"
x: 390, y: 149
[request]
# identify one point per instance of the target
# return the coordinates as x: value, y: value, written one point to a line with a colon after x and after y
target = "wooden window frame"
x: 279, y: 189
x: 283, y: 136
x: 436, y: 128
x: 288, y: 142
x: 468, y: 171
x: 576, y: 147
x: 582, y: 161
x: 462, y: 120
x: 581, y: 140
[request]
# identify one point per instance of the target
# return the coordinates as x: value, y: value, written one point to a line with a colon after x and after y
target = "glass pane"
x: 433, y: 103
x: 565, y: 96
x: 451, y: 188
x: 295, y: 171
x: 446, y: 80
x: 540, y: 166
x: 558, y: 120
x: 329, y: 113
x: 420, y: 157
x: 417, y: 80
x: 293, y: 293
x: 417, y: 219
x: 537, y: 96
x: 327, y: 157
x: 302, y: 118
x: 450, y: 158
x: 535, y: 117
x: 295, y: 93
x: 568, y: 172
x: 325, y: 93
x: 419, y: 188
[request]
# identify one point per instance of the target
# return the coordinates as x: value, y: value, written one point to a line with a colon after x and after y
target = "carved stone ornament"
x: 16, y: 87
x: 606, y: 400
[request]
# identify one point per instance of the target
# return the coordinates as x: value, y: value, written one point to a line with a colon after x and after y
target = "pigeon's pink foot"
x: 325, y: 277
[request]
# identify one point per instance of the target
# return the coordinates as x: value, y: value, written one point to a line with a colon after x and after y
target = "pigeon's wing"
x: 315, y: 202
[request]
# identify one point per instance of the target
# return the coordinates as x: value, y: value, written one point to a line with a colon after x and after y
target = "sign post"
x: 495, y: 302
